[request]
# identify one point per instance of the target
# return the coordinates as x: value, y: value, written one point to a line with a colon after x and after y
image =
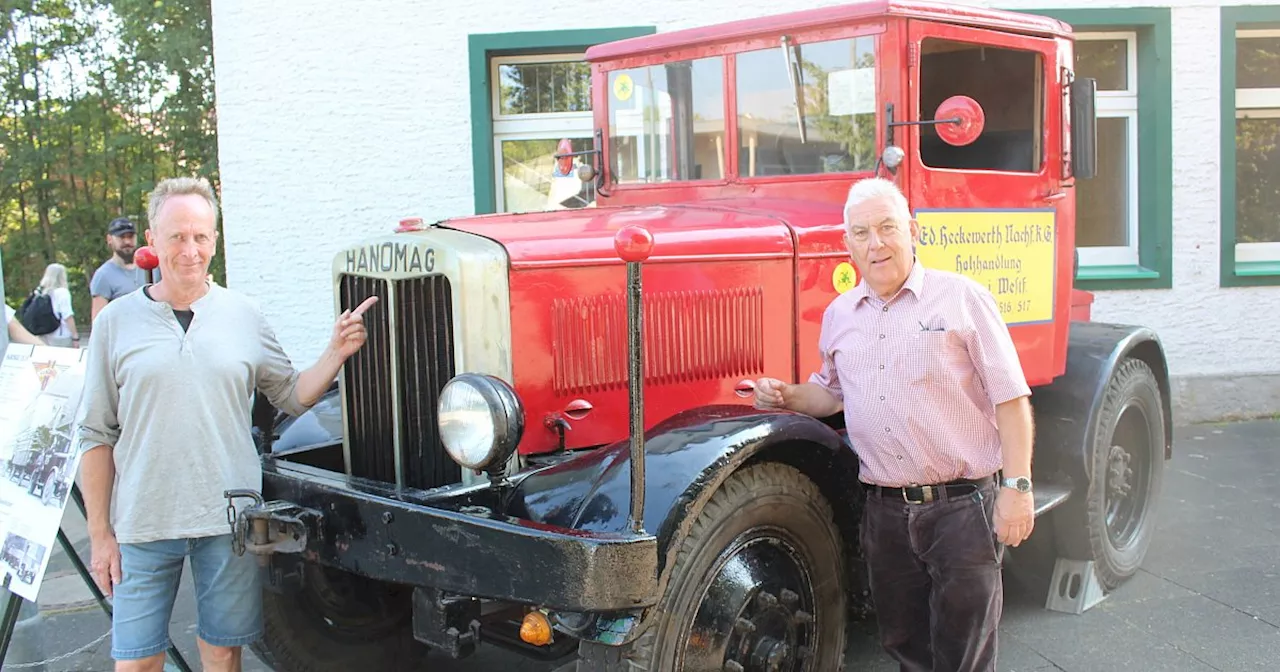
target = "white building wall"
x: 333, y: 124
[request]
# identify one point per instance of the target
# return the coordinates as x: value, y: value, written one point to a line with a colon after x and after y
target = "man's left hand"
x: 1015, y: 516
x: 349, y: 332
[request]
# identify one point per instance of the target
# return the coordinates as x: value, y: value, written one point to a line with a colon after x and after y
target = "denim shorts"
x: 228, y: 595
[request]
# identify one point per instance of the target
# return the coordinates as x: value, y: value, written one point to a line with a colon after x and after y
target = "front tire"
x: 759, y: 581
x: 338, y: 622
x: 1114, y: 522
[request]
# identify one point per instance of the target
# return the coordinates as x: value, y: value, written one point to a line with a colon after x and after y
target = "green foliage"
x: 101, y: 99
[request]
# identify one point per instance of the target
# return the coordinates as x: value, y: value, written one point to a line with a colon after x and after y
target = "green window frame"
x: 482, y: 48
x: 1235, y: 273
x: 1154, y: 269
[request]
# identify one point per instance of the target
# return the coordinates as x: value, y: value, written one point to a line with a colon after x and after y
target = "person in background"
x: 118, y: 275
x: 54, y: 284
x: 16, y: 333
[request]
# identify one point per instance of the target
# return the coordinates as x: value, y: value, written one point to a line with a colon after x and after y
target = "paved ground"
x: 1208, y: 597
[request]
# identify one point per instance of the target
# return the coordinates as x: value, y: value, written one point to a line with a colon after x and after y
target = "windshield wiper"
x: 796, y: 77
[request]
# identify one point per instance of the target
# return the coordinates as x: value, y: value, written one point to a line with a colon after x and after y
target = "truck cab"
x: 548, y: 442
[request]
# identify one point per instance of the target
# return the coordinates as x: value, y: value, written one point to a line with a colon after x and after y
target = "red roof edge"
x: 967, y: 15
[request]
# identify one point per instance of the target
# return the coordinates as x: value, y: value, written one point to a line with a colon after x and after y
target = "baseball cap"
x: 120, y: 226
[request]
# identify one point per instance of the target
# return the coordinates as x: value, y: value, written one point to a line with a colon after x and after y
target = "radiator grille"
x: 689, y: 336
x: 423, y: 341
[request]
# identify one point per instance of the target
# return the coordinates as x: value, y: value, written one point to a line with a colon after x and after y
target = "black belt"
x: 923, y: 494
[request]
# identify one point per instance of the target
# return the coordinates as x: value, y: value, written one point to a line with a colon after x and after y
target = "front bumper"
x: 450, y: 540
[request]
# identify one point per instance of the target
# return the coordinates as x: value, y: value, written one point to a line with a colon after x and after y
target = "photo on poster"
x: 25, y: 561
x: 40, y: 390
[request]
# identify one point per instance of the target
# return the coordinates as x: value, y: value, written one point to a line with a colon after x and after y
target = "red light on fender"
x: 633, y: 243
x: 409, y: 224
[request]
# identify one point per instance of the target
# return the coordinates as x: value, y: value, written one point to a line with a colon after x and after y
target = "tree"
x: 101, y: 99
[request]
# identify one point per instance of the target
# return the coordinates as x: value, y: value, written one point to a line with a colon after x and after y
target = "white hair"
x: 874, y: 189
x: 55, y: 277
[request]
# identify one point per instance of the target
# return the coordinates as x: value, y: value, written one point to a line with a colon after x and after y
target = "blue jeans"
x: 228, y: 595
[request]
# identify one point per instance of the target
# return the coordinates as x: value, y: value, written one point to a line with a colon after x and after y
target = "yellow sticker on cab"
x: 623, y: 87
x: 844, y: 277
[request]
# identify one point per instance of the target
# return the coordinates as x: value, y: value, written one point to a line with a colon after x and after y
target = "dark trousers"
x: 935, y: 579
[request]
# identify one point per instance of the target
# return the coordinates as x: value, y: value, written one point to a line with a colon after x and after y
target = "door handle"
x: 1055, y: 196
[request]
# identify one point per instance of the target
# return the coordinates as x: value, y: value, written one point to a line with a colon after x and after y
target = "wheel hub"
x: 756, y: 612
x: 1119, y: 474
x: 771, y: 655
x: 1128, y: 474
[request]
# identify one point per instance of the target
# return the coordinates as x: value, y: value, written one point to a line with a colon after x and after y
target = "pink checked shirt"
x: 920, y: 376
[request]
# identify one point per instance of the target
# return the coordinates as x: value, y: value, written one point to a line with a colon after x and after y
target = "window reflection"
x: 666, y: 122
x: 838, y: 107
x: 1257, y: 180
x: 533, y: 180
x: 1102, y: 203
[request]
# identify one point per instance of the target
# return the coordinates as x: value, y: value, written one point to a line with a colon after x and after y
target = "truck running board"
x: 1049, y: 496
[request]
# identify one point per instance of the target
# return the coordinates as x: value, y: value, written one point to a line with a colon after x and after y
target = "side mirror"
x: 1084, y: 128
x: 960, y: 120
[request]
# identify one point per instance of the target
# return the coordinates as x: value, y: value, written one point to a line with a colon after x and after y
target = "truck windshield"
x: 834, y: 83
x: 666, y: 122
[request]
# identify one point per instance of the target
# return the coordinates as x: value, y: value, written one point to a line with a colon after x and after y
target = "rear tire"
x: 760, y: 573
x: 338, y: 622
x: 1114, y: 521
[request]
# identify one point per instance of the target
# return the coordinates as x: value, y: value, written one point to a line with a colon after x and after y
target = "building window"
x: 531, y: 96
x: 538, y: 103
x: 1257, y: 145
x: 1124, y: 215
x: 1107, y: 206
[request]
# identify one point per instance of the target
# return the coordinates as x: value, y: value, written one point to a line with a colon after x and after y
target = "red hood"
x: 743, y: 229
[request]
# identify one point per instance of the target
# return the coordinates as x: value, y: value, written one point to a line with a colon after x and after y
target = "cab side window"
x: 1007, y: 83
x: 830, y: 92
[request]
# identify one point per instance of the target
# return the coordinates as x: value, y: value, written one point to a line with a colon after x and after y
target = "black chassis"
x: 556, y: 535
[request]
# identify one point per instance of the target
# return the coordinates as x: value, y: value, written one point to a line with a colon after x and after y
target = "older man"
x: 936, y: 404
x: 165, y: 430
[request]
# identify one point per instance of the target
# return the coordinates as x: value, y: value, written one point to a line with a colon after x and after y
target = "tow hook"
x: 263, y: 528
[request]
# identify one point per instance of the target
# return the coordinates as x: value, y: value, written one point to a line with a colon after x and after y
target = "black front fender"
x: 1066, y: 411
x: 686, y: 459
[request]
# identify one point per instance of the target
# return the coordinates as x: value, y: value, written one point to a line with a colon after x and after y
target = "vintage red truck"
x: 474, y: 477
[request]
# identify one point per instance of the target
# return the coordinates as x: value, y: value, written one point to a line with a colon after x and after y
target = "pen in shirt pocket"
x: 925, y: 328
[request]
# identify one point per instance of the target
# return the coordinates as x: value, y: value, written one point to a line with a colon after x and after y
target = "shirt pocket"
x: 932, y: 358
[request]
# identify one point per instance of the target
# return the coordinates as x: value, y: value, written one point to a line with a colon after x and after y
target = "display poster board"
x: 39, y: 396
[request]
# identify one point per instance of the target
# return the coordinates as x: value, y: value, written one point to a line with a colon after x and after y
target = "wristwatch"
x: 1021, y: 484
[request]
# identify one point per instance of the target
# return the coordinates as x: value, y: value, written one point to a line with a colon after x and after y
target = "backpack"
x: 37, y: 314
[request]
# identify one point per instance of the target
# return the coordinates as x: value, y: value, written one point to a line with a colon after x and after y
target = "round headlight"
x: 480, y: 420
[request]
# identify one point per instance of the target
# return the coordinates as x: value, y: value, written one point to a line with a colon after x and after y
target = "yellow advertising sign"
x: 1012, y: 253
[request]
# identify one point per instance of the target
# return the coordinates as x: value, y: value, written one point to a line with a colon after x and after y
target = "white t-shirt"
x: 9, y: 315
x: 62, y: 309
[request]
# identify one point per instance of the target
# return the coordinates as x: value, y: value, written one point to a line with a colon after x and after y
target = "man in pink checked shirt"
x: 937, y: 409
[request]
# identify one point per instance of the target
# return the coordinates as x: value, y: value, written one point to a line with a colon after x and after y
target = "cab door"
x: 994, y: 208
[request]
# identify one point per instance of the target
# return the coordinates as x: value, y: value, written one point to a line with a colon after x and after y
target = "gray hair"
x: 55, y: 277
x: 180, y: 186
x: 874, y: 189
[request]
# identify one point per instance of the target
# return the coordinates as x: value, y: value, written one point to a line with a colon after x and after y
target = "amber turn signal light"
x: 536, y: 629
